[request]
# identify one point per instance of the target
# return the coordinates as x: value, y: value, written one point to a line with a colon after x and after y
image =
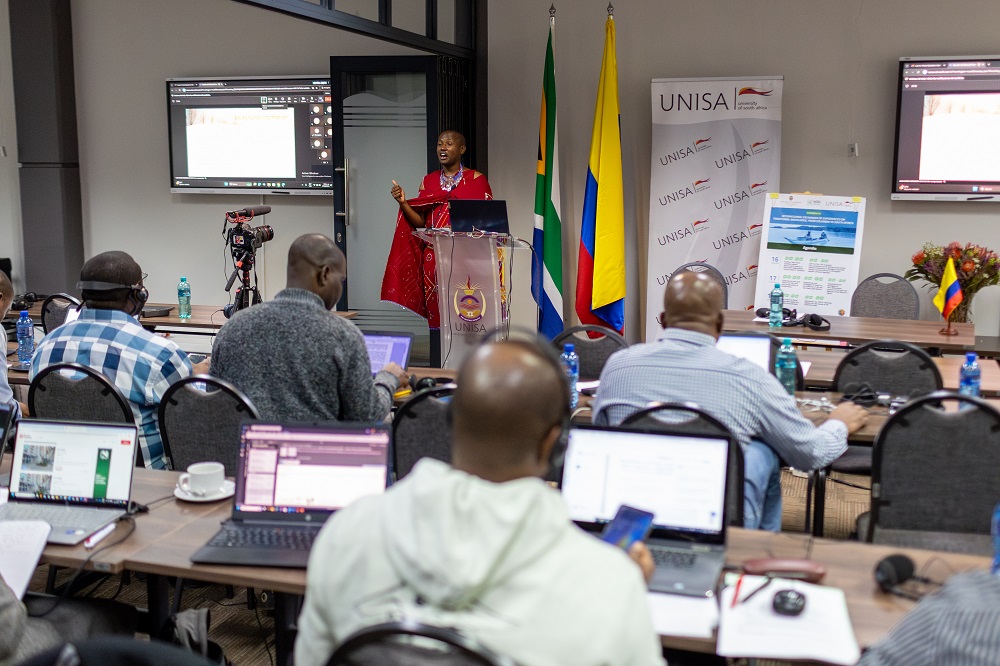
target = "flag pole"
x: 948, y: 330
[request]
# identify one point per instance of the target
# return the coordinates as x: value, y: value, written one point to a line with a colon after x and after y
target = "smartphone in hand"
x: 629, y: 525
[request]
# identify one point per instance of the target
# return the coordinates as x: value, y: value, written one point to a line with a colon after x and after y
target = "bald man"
x: 484, y: 546
x: 6, y: 298
x: 683, y: 365
x: 297, y: 361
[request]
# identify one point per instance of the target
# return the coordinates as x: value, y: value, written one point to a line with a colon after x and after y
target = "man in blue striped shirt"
x: 684, y: 366
x: 108, y: 338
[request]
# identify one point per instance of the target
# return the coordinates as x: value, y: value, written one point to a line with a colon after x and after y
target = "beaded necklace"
x: 448, y: 183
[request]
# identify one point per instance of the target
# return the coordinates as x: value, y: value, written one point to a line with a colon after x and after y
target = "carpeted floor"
x: 242, y: 632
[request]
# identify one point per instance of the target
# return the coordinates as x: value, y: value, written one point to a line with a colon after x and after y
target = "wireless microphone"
x: 893, y: 571
x: 250, y: 212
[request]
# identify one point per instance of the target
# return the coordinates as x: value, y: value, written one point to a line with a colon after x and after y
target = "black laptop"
x: 291, y: 478
x: 679, y: 477
x: 478, y: 216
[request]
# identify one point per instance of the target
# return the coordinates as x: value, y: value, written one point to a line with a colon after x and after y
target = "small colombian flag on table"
x: 950, y: 293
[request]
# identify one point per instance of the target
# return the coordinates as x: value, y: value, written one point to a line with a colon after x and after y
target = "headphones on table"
x: 813, y: 322
x: 137, y: 296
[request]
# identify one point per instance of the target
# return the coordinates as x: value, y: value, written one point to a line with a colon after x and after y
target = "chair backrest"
x: 687, y: 417
x: 421, y: 429
x: 885, y: 295
x: 200, y: 419
x: 712, y: 272
x: 75, y: 392
x: 593, y: 352
x: 887, y: 366
x: 934, y: 470
x: 411, y: 643
x: 54, y: 310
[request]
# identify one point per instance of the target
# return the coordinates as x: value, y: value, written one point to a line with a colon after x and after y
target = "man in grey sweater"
x: 297, y: 361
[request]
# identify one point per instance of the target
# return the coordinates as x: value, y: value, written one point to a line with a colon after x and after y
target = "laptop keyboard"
x: 284, y: 538
x: 673, y: 559
x: 74, y: 516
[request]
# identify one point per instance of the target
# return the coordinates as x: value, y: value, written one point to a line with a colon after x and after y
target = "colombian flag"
x: 600, y: 286
x: 950, y: 293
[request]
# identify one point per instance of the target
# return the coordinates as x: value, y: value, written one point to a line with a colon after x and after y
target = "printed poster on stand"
x: 812, y: 247
x: 716, y: 154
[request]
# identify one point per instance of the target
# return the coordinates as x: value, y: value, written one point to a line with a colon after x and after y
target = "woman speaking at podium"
x: 410, y: 279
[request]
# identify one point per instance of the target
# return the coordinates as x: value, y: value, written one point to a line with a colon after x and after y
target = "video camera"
x: 243, y: 242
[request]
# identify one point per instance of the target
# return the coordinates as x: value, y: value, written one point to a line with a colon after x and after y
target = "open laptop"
x: 753, y: 347
x: 75, y: 476
x: 290, y: 479
x: 388, y: 347
x: 679, y: 478
x: 479, y: 215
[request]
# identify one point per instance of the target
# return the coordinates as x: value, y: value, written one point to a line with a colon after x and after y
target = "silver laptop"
x: 384, y: 348
x: 680, y: 479
x: 75, y: 476
x: 753, y: 347
x: 291, y: 478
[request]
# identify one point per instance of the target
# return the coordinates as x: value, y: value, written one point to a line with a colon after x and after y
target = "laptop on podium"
x: 290, y: 479
x: 680, y: 478
x: 479, y: 215
x: 75, y: 476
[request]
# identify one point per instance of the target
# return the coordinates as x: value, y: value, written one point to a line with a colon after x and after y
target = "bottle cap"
x: 24, y: 313
x: 777, y: 285
x: 184, y: 279
x: 970, y: 357
x: 568, y: 347
x: 787, y: 341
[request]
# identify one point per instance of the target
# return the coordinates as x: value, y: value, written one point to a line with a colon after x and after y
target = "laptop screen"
x: 479, y: 215
x: 754, y: 348
x: 384, y: 348
x: 680, y: 479
x: 81, y: 463
x: 309, y: 469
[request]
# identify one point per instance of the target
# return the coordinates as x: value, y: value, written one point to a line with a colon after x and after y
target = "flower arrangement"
x: 975, y: 265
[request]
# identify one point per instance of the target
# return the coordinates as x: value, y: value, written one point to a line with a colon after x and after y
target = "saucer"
x: 227, y: 490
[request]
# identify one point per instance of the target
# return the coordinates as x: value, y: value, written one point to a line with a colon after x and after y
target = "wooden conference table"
x: 172, y: 530
x: 864, y: 329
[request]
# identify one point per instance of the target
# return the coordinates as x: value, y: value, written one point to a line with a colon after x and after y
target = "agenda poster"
x: 811, y: 246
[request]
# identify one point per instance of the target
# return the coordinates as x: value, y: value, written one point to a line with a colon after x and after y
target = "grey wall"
x: 10, y: 205
x: 839, y: 61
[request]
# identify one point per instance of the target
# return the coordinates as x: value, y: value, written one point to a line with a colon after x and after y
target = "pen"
x: 765, y: 584
x: 736, y: 594
x: 98, y: 536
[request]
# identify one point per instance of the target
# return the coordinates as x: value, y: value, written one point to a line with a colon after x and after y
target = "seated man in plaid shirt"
x: 107, y: 337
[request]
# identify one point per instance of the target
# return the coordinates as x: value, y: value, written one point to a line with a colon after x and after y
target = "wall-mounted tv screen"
x: 254, y: 135
x: 948, y: 129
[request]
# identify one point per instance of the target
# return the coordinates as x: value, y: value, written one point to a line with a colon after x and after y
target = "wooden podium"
x: 473, y: 282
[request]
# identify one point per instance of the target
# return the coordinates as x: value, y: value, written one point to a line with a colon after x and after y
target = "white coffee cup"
x: 201, y: 479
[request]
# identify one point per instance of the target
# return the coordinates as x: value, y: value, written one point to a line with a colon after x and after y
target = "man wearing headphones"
x: 684, y: 366
x: 484, y: 545
x: 108, y: 338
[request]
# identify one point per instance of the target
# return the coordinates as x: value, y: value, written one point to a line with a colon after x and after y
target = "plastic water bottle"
x: 785, y: 365
x: 995, y: 531
x: 968, y: 377
x: 775, y: 316
x: 184, y: 299
x: 25, y: 338
x: 571, y: 362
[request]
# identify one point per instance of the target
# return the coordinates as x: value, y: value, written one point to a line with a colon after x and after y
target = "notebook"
x: 479, y: 215
x: 290, y: 479
x: 753, y: 347
x: 388, y: 347
x: 75, y: 476
x: 680, y: 478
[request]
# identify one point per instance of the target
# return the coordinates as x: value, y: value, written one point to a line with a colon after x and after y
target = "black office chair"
x: 117, y: 650
x: 75, y: 392
x: 55, y: 308
x: 198, y: 425
x: 421, y: 429
x: 879, y: 367
x: 885, y: 295
x: 934, y: 476
x: 712, y: 272
x: 593, y: 352
x: 411, y: 643
x: 687, y: 417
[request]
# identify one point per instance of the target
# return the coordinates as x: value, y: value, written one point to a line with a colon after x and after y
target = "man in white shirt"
x: 6, y: 298
x: 484, y: 546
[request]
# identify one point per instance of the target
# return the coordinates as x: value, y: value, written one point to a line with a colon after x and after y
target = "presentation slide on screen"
x: 955, y: 129
x: 70, y: 461
x: 813, y: 250
x: 678, y: 481
x: 241, y: 142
